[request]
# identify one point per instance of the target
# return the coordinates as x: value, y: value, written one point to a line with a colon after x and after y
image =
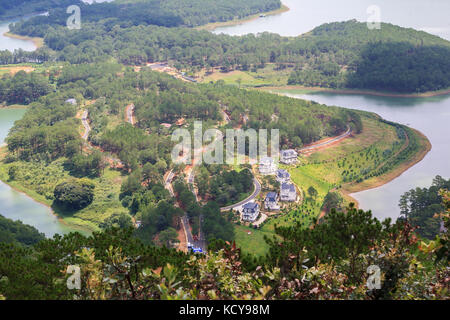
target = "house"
x: 283, y: 176
x: 288, y: 192
x: 72, y: 101
x: 288, y: 156
x: 250, y: 211
x: 267, y: 166
x: 271, y: 201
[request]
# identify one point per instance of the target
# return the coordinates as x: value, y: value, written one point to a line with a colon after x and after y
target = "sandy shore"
x: 367, y: 92
x: 38, y: 42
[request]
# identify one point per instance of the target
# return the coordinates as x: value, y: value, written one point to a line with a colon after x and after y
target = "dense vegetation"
x: 23, y: 88
x: 334, y: 55
x: 169, y: 13
x: 225, y: 187
x: 421, y: 205
x: 75, y: 194
x: 16, y: 8
x: 15, y: 232
x: 328, y: 262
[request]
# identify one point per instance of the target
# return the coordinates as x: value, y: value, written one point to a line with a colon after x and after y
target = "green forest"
x: 420, y: 206
x: 334, y: 55
x: 329, y: 261
x: 18, y: 233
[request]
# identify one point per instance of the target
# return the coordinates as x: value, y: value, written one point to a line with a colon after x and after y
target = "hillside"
x: 335, y: 55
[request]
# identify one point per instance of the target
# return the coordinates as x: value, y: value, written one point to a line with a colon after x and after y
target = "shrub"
x: 74, y: 194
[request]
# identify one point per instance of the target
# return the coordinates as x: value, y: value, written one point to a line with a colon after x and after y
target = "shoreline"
x: 215, y: 25
x: 72, y: 227
x: 38, y: 42
x: 28, y: 193
x: 427, y: 94
x: 380, y: 181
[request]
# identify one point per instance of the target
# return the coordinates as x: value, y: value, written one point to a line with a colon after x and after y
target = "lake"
x: 7, y: 43
x: 17, y: 206
x: 429, y: 115
x: 304, y: 15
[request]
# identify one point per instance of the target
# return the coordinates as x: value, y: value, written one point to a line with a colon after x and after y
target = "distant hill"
x: 18, y: 8
x: 334, y: 55
x: 169, y: 13
x: 392, y: 58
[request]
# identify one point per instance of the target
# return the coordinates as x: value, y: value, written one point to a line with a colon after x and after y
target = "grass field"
x: 266, y: 76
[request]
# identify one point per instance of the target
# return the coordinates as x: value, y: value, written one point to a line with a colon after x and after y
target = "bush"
x: 74, y: 194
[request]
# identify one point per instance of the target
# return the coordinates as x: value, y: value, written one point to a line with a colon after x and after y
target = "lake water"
x: 17, y: 206
x: 429, y: 115
x: 304, y: 15
x: 12, y: 44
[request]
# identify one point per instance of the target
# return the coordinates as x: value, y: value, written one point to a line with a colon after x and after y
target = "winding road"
x: 85, y: 136
x: 130, y: 114
x: 328, y: 142
x: 255, y: 193
x: 87, y: 127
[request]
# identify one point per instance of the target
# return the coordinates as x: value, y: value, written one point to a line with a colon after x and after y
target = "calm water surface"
x: 18, y: 206
x: 304, y: 15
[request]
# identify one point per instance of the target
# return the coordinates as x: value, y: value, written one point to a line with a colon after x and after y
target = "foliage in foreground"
x: 116, y: 265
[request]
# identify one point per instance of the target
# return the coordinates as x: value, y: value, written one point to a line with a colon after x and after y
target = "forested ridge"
x: 169, y: 13
x: 334, y: 55
x: 19, y: 8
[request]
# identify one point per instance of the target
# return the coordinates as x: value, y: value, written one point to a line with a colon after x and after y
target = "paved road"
x: 185, y: 221
x: 130, y: 114
x: 322, y: 144
x: 87, y: 130
x: 87, y: 127
x: 201, y: 242
x: 250, y: 198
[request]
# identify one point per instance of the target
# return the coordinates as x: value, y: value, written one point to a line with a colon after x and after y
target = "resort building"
x: 288, y: 156
x: 72, y: 101
x: 283, y: 176
x: 271, y: 201
x: 250, y: 211
x: 288, y: 192
x: 267, y: 166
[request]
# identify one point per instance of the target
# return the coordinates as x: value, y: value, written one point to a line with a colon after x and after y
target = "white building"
x: 288, y: 156
x: 283, y: 176
x: 72, y: 101
x: 267, y: 166
x: 271, y: 201
x: 250, y: 211
x: 288, y: 192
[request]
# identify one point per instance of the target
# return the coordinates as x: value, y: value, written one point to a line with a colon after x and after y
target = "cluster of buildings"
x: 287, y: 193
